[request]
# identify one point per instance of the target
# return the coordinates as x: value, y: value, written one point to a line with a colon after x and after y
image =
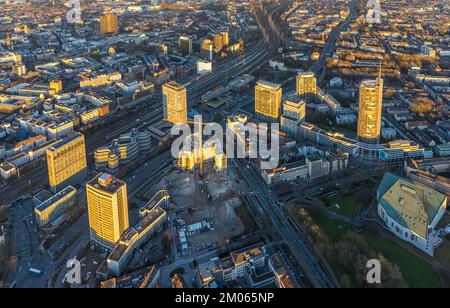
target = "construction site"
x: 208, y: 211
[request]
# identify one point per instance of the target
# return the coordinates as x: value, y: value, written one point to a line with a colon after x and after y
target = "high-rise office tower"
x: 267, y: 100
x: 218, y: 41
x: 307, y: 86
x: 369, y: 110
x: 8, y: 41
x: 66, y: 162
x: 206, y: 50
x: 225, y: 38
x: 185, y: 43
x: 109, y: 24
x: 174, y: 103
x: 107, y: 210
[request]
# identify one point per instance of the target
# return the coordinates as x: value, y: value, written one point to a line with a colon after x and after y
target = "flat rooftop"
x: 411, y: 204
x: 129, y: 235
x: 65, y: 141
x: 60, y: 195
x: 43, y: 195
x: 306, y: 74
x: 294, y: 99
x: 174, y: 85
x: 110, y: 187
x: 269, y: 84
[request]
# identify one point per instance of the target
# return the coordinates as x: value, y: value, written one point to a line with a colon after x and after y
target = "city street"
x: 308, y: 261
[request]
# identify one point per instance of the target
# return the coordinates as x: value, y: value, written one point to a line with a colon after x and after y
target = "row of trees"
x: 421, y: 106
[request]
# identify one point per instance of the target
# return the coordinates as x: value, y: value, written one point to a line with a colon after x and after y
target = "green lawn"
x: 417, y: 272
x: 369, y: 184
x: 334, y: 229
x: 443, y: 253
x: 348, y: 206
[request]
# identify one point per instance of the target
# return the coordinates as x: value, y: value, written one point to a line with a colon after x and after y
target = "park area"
x: 347, y: 248
x: 345, y: 205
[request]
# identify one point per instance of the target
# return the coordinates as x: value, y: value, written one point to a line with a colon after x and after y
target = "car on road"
x: 35, y: 272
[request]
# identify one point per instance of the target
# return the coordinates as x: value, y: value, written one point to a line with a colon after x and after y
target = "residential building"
x: 429, y: 173
x: 317, y: 166
x: 144, y: 278
x: 186, y: 160
x: 220, y: 162
x: 443, y: 150
x: 286, y: 173
x: 389, y: 133
x: 307, y: 86
x: 294, y: 112
x: 243, y: 261
x: 284, y: 278
x: 189, y: 158
x: 225, y: 38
